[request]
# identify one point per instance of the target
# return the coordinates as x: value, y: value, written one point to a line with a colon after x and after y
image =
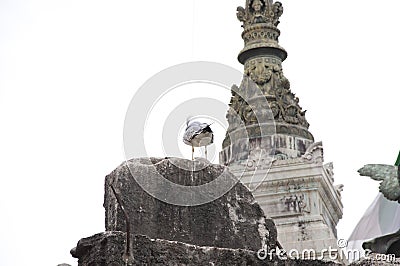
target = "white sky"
x: 68, y: 70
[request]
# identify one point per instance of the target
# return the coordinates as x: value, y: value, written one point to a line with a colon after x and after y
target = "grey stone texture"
x: 107, y: 249
x: 234, y: 220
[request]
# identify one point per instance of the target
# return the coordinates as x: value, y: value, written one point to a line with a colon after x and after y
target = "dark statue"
x: 389, y: 176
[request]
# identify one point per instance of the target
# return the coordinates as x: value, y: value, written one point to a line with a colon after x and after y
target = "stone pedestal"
x: 107, y: 249
x: 233, y: 220
x: 230, y: 230
x: 299, y: 195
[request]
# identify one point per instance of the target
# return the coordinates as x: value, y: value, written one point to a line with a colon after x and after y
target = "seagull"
x: 197, y: 135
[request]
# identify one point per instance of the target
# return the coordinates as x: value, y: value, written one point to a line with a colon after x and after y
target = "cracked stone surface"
x: 235, y: 220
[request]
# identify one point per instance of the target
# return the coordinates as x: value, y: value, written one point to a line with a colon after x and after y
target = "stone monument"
x: 268, y: 144
x: 233, y: 220
x: 143, y: 230
x: 232, y: 228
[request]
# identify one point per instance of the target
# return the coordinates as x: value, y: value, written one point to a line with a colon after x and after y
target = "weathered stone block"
x: 108, y: 248
x: 234, y: 220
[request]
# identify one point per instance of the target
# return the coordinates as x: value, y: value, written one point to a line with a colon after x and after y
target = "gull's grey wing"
x: 196, y: 129
x: 191, y: 131
x: 189, y: 135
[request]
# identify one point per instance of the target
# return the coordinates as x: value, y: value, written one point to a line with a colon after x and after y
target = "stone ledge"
x: 107, y: 249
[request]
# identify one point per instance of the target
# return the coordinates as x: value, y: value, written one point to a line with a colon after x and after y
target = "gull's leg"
x: 206, y: 152
x: 192, y: 152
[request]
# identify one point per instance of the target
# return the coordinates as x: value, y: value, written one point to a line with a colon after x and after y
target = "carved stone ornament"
x: 264, y: 98
x: 295, y: 203
x: 314, y: 153
x: 260, y: 11
x: 283, y: 104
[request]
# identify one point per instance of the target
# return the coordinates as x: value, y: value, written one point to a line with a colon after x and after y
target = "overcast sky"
x: 68, y: 70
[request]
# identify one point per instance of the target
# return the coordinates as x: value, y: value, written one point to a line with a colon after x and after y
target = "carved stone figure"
x: 241, y: 14
x: 295, y: 203
x: 277, y: 10
x: 249, y: 115
x: 259, y: 73
x: 257, y: 6
x: 260, y: 11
